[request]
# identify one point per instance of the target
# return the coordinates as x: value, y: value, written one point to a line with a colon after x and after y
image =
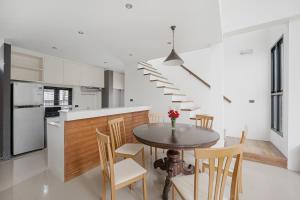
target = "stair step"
x: 147, y: 65
x: 174, y: 94
x: 182, y: 101
x: 160, y: 84
x: 179, y: 98
x: 162, y: 81
x: 173, y: 88
x: 147, y: 70
x: 190, y: 109
x: 156, y: 75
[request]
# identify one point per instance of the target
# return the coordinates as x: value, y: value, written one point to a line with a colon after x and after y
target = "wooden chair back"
x: 204, y: 121
x: 243, y: 137
x: 106, y: 158
x: 217, y: 181
x: 154, y: 117
x: 117, y: 132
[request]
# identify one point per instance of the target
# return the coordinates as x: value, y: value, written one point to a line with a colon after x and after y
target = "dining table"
x: 182, y: 137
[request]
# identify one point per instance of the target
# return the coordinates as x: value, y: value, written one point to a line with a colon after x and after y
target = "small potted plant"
x: 173, y: 115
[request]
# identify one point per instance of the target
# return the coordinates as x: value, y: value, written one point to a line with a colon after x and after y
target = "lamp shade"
x: 173, y: 59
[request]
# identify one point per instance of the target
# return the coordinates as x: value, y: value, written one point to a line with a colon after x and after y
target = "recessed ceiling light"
x: 105, y: 62
x: 128, y: 5
x: 55, y: 48
x: 169, y: 42
x: 130, y: 54
x: 80, y: 32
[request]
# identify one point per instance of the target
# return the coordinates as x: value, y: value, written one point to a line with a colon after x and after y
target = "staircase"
x: 178, y: 99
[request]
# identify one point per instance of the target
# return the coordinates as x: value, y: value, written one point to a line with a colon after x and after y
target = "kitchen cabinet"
x: 92, y: 76
x: 53, y: 70
x: 72, y: 73
x: 118, y: 81
x: 26, y: 66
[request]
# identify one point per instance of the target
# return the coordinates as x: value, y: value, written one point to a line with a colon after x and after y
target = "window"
x: 54, y: 96
x: 276, y: 86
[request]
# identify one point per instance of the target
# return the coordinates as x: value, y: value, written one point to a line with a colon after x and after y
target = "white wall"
x: 294, y: 96
x: 247, y: 77
x: 241, y: 14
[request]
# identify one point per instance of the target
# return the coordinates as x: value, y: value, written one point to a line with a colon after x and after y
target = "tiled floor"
x: 31, y: 181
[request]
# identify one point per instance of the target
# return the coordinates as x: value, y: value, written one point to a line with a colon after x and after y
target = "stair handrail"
x: 197, y: 77
x: 204, y: 82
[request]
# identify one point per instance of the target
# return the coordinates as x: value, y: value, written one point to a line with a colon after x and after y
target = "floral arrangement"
x: 173, y: 114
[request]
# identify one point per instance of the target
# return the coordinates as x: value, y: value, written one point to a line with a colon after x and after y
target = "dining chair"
x: 118, y: 140
x: 120, y: 174
x: 212, y: 185
x: 205, y: 165
x: 202, y: 121
x: 154, y: 118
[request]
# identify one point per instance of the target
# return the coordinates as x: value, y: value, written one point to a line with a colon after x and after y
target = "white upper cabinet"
x: 92, y: 76
x: 27, y: 65
x: 118, y: 81
x: 72, y: 73
x: 53, y: 70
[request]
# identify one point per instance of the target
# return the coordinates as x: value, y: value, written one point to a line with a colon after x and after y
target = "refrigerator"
x: 27, y: 117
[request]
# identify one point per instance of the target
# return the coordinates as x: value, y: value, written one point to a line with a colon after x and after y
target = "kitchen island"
x: 72, y: 144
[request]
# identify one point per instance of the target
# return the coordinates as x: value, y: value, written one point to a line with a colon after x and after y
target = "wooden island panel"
x: 81, y: 149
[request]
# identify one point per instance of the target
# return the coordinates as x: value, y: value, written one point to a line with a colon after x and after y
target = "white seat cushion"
x: 129, y: 149
x: 185, y: 186
x: 127, y: 169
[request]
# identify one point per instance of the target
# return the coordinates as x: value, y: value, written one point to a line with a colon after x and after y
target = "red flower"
x: 173, y: 114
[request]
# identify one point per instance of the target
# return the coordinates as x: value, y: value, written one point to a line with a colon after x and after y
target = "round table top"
x: 185, y: 136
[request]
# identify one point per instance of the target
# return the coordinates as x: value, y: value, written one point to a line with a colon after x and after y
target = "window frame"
x: 277, y: 64
x: 57, y: 93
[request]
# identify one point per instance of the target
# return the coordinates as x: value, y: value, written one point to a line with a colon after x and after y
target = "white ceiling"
x: 112, y: 32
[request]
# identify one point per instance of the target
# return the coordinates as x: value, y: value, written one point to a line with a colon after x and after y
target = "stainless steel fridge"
x: 28, y: 117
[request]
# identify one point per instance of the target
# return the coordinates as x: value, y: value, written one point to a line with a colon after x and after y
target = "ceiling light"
x: 55, y: 48
x: 169, y: 43
x: 173, y: 59
x: 130, y: 54
x: 128, y: 5
x: 80, y: 32
x: 105, y: 62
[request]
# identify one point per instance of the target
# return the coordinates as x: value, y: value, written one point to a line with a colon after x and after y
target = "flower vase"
x: 173, y: 122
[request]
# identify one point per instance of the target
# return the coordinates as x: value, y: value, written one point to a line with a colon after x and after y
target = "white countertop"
x: 84, y: 114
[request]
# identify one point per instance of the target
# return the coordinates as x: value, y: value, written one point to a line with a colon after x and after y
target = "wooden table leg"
x: 173, y: 165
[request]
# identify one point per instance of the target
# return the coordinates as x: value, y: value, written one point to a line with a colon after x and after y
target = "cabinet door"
x: 53, y: 70
x: 72, y: 73
x: 92, y: 76
x: 98, y: 77
x: 118, y: 81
